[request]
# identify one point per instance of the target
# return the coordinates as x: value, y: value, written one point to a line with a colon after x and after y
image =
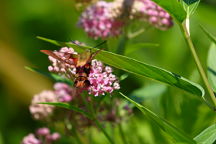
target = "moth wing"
x: 52, y: 54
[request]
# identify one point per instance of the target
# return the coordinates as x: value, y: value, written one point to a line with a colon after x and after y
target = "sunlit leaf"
x: 171, y: 130
x: 69, y: 107
x: 52, y: 76
x: 136, y: 67
x: 207, y: 136
x: 212, y: 66
x: 174, y: 8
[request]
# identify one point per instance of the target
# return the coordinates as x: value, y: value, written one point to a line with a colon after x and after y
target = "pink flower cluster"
x: 106, y: 19
x: 64, y: 92
x: 60, y: 67
x: 151, y: 13
x: 42, y: 111
x: 102, y: 80
x: 42, y: 135
x: 98, y: 21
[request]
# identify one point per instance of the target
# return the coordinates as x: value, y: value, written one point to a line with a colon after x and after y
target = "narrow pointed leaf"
x: 212, y: 66
x: 171, y: 130
x: 136, y: 67
x: 174, y: 8
x: 69, y: 107
x: 52, y: 76
x: 209, y: 35
x: 208, y: 136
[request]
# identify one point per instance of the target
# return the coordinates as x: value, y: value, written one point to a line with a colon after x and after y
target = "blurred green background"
x: 23, y: 20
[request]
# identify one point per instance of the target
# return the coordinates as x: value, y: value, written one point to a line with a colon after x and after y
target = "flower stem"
x: 103, y: 130
x: 77, y: 136
x: 124, y: 140
x: 122, y: 44
x: 89, y: 105
x: 99, y: 124
x: 187, y: 37
x: 122, y: 134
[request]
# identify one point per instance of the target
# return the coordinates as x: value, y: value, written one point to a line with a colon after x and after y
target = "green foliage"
x: 207, y: 136
x: 212, y: 66
x: 139, y: 68
x: 69, y: 107
x: 171, y: 130
x: 174, y: 8
x: 189, y: 2
x: 52, y: 76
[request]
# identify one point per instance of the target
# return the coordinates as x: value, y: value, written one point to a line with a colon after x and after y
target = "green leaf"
x: 136, y: 67
x: 174, y: 8
x: 52, y: 76
x: 208, y: 136
x: 189, y: 2
x: 212, y: 66
x: 136, y: 46
x: 69, y: 107
x: 171, y: 130
x: 210, y: 36
x: 148, y: 92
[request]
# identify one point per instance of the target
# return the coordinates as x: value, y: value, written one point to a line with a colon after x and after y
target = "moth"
x: 82, y: 63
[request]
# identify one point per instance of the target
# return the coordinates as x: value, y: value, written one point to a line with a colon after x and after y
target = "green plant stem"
x: 89, y: 105
x: 122, y: 134
x: 77, y: 136
x: 124, y: 140
x: 122, y: 44
x: 103, y: 130
x: 198, y: 63
x: 99, y: 124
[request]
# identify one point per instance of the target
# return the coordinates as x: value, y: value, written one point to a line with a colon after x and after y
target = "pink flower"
x: 53, y: 137
x: 150, y: 12
x: 101, y: 79
x: 43, y: 136
x: 43, y: 131
x: 60, y: 67
x: 41, y: 111
x: 31, y: 139
x: 98, y: 21
x: 64, y: 92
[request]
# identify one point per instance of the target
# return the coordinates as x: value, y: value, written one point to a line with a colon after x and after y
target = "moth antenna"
x: 95, y: 53
x: 100, y: 44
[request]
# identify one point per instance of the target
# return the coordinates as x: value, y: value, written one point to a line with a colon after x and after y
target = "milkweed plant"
x: 87, y: 93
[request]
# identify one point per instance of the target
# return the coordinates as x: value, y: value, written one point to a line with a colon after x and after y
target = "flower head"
x: 150, y: 12
x: 145, y: 10
x: 42, y: 135
x: 64, y: 92
x: 43, y: 131
x: 98, y: 21
x: 60, y: 67
x: 41, y: 111
x: 31, y: 139
x: 101, y: 79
